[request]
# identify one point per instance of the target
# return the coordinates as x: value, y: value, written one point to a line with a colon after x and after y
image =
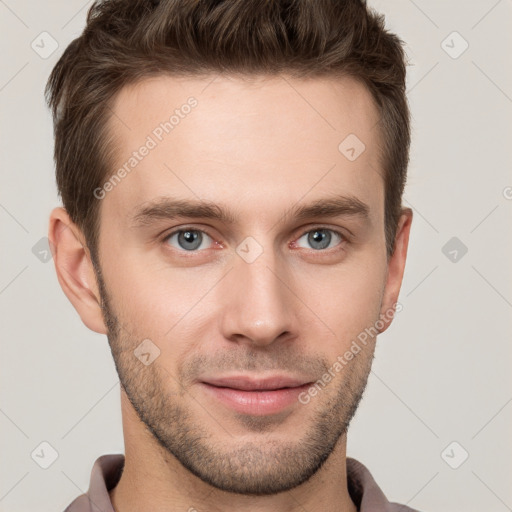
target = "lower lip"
x: 258, y: 403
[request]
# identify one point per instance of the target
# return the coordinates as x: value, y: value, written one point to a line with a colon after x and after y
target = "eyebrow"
x: 168, y: 208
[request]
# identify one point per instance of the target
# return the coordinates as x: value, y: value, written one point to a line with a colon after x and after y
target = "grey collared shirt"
x: 107, y: 469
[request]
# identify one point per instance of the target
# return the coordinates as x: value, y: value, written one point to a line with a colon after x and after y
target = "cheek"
x: 158, y: 301
x: 346, y: 299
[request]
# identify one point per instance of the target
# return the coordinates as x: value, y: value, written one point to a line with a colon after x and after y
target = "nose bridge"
x: 259, y: 307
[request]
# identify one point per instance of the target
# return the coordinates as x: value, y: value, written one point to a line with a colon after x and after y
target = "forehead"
x: 258, y: 141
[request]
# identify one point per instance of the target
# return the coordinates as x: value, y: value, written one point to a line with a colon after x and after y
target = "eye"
x: 187, y: 239
x: 321, y: 238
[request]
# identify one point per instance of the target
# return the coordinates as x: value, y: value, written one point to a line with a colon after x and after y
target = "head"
x: 231, y: 174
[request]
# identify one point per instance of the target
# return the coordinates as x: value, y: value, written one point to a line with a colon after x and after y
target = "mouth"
x: 257, y: 397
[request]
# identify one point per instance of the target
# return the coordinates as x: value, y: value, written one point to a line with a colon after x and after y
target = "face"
x: 274, y: 277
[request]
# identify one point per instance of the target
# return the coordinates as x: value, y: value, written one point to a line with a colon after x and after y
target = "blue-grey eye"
x: 188, y: 239
x: 319, y: 239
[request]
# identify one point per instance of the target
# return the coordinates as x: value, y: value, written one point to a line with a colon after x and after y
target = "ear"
x: 396, y: 266
x: 75, y: 270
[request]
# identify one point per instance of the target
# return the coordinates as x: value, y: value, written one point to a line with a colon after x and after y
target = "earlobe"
x: 74, y: 269
x: 396, y: 267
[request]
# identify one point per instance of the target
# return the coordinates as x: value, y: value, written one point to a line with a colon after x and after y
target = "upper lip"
x: 247, y: 383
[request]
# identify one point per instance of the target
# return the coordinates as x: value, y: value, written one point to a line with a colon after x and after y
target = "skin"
x: 257, y: 147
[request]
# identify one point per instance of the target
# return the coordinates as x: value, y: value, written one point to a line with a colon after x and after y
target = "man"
x: 231, y: 173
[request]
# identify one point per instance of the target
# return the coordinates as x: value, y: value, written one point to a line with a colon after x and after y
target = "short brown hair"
x: 125, y: 41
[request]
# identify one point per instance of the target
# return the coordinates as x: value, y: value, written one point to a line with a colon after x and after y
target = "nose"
x: 258, y: 302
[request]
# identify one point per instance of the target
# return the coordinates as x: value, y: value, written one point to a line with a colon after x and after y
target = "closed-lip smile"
x: 256, y: 395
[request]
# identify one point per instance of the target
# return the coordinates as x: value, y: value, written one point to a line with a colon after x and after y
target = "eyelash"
x: 343, y: 237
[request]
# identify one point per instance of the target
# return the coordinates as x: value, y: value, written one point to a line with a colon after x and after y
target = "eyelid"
x: 344, y: 237
x: 314, y: 227
x: 174, y: 231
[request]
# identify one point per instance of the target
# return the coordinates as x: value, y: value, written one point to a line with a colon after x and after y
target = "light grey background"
x: 442, y: 371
